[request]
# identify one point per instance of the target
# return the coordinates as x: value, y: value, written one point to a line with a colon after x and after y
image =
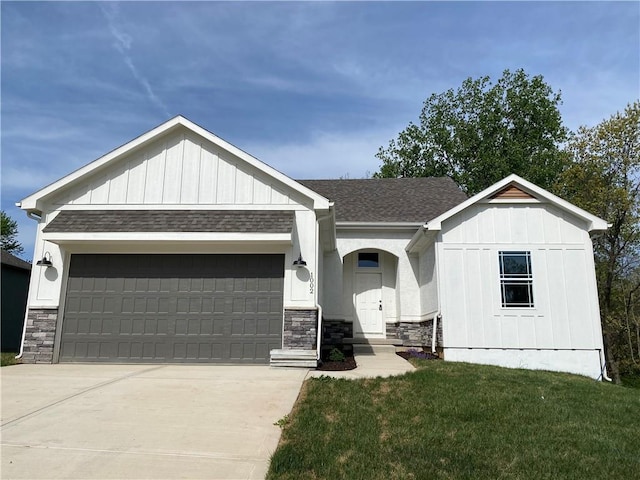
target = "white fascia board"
x: 226, y: 237
x: 182, y: 206
x: 377, y: 225
x: 31, y: 202
x: 594, y: 223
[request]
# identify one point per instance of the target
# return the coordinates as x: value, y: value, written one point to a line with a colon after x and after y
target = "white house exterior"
x: 552, y: 320
x: 180, y: 247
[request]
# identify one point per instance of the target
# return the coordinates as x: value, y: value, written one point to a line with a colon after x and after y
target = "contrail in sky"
x: 123, y: 45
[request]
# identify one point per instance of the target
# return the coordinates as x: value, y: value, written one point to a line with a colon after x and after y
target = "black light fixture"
x: 299, y: 262
x: 46, y: 261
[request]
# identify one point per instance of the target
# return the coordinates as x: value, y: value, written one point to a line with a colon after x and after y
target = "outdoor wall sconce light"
x: 299, y: 262
x: 46, y: 261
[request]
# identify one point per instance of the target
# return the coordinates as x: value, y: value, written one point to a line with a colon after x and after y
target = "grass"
x: 8, y: 358
x: 461, y: 421
x: 631, y: 381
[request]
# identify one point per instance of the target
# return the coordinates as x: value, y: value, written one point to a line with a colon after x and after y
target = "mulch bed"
x: 328, y: 366
x: 425, y: 355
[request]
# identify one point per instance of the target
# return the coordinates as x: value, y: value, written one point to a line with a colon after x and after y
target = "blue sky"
x: 313, y: 89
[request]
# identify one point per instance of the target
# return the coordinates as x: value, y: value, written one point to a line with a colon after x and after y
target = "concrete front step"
x: 372, y: 341
x: 362, y: 348
x: 294, y: 363
x: 284, y: 357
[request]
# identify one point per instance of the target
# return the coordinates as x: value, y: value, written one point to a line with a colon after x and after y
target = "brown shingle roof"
x: 389, y: 199
x: 263, y: 221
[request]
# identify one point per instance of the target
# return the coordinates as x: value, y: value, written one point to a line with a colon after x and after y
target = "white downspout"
x: 37, y: 218
x: 318, y: 279
x: 435, y: 332
x: 603, y: 367
x: 319, y: 332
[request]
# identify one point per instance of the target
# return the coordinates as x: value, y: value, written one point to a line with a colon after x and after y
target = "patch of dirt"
x: 329, y: 366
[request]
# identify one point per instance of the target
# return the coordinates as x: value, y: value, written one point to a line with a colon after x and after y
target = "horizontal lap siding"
x: 173, y: 308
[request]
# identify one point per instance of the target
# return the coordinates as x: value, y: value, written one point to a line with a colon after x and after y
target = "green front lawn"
x: 453, y: 421
x: 8, y: 358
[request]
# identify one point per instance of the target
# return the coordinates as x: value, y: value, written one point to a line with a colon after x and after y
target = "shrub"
x: 335, y: 355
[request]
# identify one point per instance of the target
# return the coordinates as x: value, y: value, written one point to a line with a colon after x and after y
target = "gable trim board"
x: 213, y: 208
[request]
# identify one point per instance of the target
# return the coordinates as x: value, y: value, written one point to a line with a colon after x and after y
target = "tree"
x: 483, y: 132
x: 9, y: 232
x: 604, y: 179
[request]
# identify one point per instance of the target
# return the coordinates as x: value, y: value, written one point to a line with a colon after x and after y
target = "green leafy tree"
x: 9, y: 233
x: 483, y: 132
x: 604, y: 179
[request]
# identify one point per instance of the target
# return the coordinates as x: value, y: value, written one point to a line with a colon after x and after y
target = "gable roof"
x: 13, y: 261
x: 32, y: 202
x: 593, y: 223
x: 493, y: 194
x: 401, y: 200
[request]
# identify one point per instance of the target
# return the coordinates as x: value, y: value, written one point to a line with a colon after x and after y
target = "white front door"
x: 369, y: 305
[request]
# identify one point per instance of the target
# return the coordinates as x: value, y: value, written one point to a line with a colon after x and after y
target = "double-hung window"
x: 516, y: 279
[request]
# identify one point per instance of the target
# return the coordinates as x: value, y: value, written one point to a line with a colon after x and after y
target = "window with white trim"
x: 516, y: 279
x: 368, y: 260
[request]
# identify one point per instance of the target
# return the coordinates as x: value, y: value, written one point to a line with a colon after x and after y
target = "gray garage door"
x: 173, y: 308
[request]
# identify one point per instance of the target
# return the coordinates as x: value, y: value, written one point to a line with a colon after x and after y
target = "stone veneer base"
x: 415, y: 334
x: 39, y: 335
x: 300, y: 329
x: 335, y: 331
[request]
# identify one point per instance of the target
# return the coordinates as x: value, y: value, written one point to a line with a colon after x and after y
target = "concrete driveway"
x: 142, y: 421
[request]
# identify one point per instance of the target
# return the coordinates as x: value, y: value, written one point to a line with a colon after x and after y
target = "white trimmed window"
x: 516, y: 279
x: 368, y: 260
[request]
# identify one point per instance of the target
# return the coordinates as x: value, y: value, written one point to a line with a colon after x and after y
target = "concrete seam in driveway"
x: 77, y: 394
x: 139, y: 452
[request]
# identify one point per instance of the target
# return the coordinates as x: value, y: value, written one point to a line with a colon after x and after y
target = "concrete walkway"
x: 142, y: 421
x: 373, y: 361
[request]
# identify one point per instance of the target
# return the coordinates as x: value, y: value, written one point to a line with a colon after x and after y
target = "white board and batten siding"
x: 565, y: 316
x: 180, y: 169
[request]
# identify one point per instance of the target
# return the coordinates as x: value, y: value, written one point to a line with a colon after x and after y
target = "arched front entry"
x: 369, y: 280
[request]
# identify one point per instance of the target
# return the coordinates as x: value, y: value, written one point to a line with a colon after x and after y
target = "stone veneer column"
x: 335, y: 331
x: 415, y: 334
x: 39, y: 335
x: 300, y: 329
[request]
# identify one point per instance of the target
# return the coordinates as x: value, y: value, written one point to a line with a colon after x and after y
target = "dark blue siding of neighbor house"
x: 15, y: 285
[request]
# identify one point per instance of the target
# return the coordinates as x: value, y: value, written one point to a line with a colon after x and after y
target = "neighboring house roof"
x: 13, y: 261
x: 410, y: 200
x: 263, y: 221
x: 33, y: 201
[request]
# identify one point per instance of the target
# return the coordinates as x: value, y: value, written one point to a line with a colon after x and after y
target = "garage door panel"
x: 231, y: 311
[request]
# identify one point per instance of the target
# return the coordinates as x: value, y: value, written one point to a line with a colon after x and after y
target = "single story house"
x: 180, y: 247
x: 15, y: 285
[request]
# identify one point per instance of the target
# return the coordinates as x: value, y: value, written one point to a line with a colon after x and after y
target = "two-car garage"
x: 214, y: 308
